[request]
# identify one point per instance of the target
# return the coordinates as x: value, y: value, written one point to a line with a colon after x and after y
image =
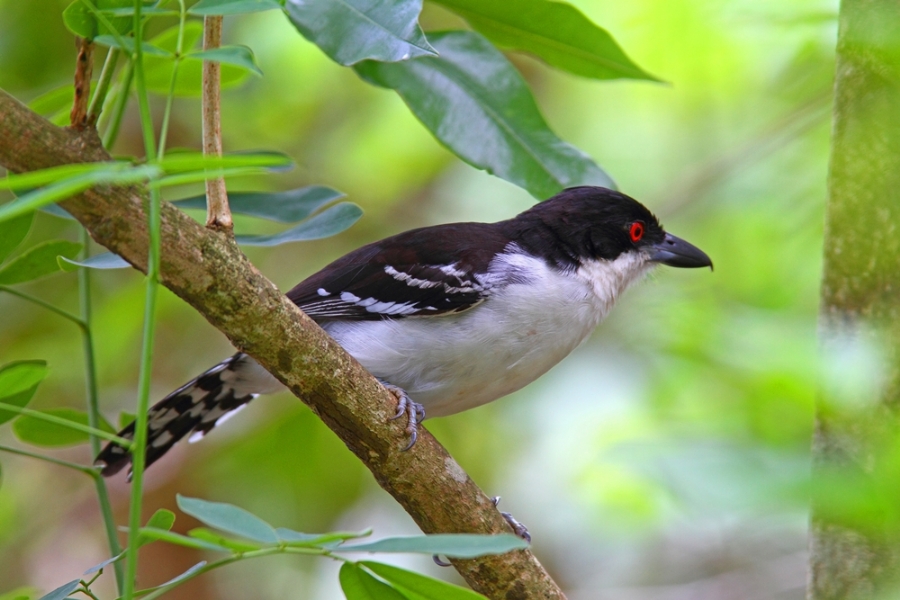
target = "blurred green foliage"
x: 669, y: 454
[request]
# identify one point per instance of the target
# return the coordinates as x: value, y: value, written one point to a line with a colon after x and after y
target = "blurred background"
x: 667, y: 458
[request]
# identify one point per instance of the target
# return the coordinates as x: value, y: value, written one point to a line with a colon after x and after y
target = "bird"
x: 449, y: 317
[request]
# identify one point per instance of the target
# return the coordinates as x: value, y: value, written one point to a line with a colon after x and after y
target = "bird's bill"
x: 676, y: 252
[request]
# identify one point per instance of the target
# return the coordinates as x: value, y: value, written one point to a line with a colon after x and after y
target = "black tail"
x: 195, y: 407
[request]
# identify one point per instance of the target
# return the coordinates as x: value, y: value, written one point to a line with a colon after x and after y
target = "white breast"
x: 458, y: 361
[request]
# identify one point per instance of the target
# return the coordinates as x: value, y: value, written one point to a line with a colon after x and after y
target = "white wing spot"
x: 322, y: 292
x: 349, y: 298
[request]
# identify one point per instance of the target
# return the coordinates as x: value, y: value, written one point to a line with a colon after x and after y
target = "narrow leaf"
x: 34, y: 179
x: 327, y: 223
x: 557, y: 33
x: 232, y: 7
x: 360, y: 585
x: 179, y: 540
x: 104, y: 564
x: 285, y: 207
x: 476, y: 103
x: 239, y: 56
x: 202, y: 533
x: 54, y: 101
x: 424, y: 587
x: 229, y: 518
x: 37, y: 261
x: 12, y: 233
x: 330, y: 540
x: 350, y: 31
x: 38, y: 432
x: 62, y: 591
x: 180, y: 162
x: 105, y: 260
x: 187, y: 574
x: 127, y: 44
x: 459, y: 545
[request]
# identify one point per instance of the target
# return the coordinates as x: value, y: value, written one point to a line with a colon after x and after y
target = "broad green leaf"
x: 37, y: 261
x: 476, y: 103
x: 105, y: 260
x: 60, y: 190
x: 327, y: 223
x: 232, y: 7
x: 19, y: 376
x: 164, y: 535
x: 21, y: 400
x: 285, y: 207
x: 62, y: 591
x: 127, y: 44
x: 421, y: 586
x: 350, y: 31
x: 557, y: 33
x: 104, y: 564
x: 459, y: 545
x: 12, y: 233
x: 228, y: 518
x: 238, y: 56
x: 202, y: 533
x: 80, y: 20
x: 360, y: 585
x: 42, y: 433
x: 158, y: 70
x: 161, y: 520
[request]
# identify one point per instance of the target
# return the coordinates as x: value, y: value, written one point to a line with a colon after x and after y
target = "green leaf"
x: 454, y: 545
x: 202, y: 533
x: 34, y: 179
x: 80, y: 20
x: 54, y: 101
x: 297, y: 538
x: 126, y: 419
x: 350, y: 31
x: 12, y: 233
x: 163, y: 535
x: 42, y: 433
x: 359, y: 585
x: 228, y: 518
x: 476, y: 103
x: 423, y: 587
x: 127, y: 44
x: 105, y: 563
x: 179, y: 162
x: 37, y: 261
x: 232, y: 7
x: 327, y: 223
x: 161, y: 519
x: 238, y: 56
x: 18, y: 382
x: 89, y: 176
x: 158, y: 70
x: 285, y: 207
x: 186, y: 575
x: 557, y: 33
x: 62, y: 591
x: 106, y: 260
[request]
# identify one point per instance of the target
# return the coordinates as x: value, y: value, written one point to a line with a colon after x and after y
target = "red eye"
x: 636, y: 232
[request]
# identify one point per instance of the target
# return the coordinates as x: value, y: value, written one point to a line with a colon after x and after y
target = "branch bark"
x: 855, y: 538
x: 211, y: 274
x: 218, y: 214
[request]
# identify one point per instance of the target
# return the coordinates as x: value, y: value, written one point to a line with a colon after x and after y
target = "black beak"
x: 676, y: 252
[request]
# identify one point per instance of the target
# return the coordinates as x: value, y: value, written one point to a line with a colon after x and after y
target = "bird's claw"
x: 415, y: 412
x: 518, y: 528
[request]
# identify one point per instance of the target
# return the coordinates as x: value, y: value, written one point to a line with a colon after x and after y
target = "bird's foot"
x: 518, y: 528
x: 415, y: 412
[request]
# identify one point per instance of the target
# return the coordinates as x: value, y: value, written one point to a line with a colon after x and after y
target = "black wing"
x: 429, y: 271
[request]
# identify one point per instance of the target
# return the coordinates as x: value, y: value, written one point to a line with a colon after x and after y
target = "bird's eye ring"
x: 636, y: 232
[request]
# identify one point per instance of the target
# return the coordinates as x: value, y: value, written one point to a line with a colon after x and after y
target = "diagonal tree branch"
x: 211, y: 274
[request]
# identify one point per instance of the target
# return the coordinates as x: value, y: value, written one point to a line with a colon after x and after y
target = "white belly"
x: 458, y: 361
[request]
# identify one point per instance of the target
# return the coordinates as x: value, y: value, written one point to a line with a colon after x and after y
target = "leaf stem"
x: 93, y: 406
x: 164, y: 130
x: 46, y: 305
x: 66, y: 423
x: 122, y: 95
x: 102, y: 89
x: 62, y: 463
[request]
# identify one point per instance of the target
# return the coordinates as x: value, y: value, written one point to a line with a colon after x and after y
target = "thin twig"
x: 84, y: 67
x: 218, y: 215
x: 106, y: 75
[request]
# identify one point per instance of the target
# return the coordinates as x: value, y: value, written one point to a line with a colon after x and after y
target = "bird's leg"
x: 415, y: 412
x: 517, y: 527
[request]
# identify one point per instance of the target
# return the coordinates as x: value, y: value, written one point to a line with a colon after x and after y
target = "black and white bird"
x: 453, y: 316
